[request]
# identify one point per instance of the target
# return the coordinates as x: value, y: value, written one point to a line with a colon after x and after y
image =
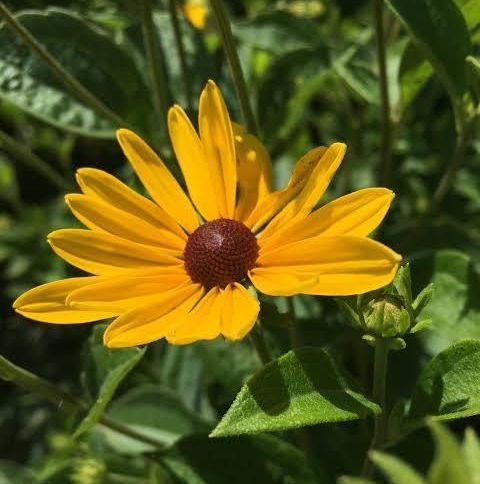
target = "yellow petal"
x: 217, y: 138
x: 106, y: 254
x: 202, y: 322
x: 196, y: 14
x: 47, y: 303
x: 108, y: 189
x: 276, y: 201
x: 123, y: 293
x: 156, y: 178
x: 100, y: 216
x: 278, y: 281
x: 344, y: 265
x: 154, y: 320
x: 254, y: 171
x: 193, y: 163
x: 356, y: 214
x: 240, y: 311
x: 315, y: 186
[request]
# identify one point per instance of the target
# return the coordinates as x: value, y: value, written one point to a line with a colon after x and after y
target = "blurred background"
x: 312, y: 74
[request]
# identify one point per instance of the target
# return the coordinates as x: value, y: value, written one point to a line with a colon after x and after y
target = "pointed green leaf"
x: 395, y: 470
x: 448, y: 465
x: 86, y: 53
x: 303, y: 387
x: 448, y: 385
x: 431, y: 23
x: 111, y: 367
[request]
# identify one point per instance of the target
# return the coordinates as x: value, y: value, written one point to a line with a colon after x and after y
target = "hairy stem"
x: 218, y: 9
x: 379, y: 396
x: 156, y: 64
x: 80, y: 91
x: 29, y: 381
x: 172, y: 4
x: 258, y: 340
x: 30, y: 159
x: 386, y: 140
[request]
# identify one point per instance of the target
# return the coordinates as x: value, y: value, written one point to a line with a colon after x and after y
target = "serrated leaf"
x: 112, y: 367
x: 395, y: 470
x: 303, y: 387
x: 431, y: 23
x: 86, y: 53
x: 244, y: 460
x: 448, y: 465
x: 448, y: 385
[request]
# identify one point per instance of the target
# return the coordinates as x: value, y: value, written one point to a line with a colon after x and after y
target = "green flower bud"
x: 88, y: 470
x: 385, y: 316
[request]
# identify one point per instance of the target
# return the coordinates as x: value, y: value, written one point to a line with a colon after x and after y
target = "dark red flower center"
x: 220, y: 252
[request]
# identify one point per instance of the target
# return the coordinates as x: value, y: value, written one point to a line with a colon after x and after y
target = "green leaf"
x: 448, y: 385
x: 471, y: 455
x: 453, y: 309
x: 431, y: 23
x: 86, y: 53
x: 354, y: 480
x: 244, y: 460
x: 470, y: 11
x: 303, y: 387
x: 448, y: 465
x: 395, y: 470
x: 111, y: 367
x: 154, y: 412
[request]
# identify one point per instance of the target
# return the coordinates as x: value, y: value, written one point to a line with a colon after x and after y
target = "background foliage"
x: 313, y: 77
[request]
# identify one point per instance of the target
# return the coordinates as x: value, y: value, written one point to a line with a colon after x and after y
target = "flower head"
x: 176, y: 266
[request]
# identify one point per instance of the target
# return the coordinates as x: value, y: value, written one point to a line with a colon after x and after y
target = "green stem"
x: 75, y: 87
x: 258, y: 340
x: 172, y: 4
x: 31, y: 160
x: 218, y: 9
x: 156, y: 64
x: 31, y: 382
x: 379, y: 396
x: 293, y: 332
x: 386, y: 140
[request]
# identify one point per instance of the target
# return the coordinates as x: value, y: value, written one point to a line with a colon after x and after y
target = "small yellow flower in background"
x: 176, y: 266
x: 196, y: 12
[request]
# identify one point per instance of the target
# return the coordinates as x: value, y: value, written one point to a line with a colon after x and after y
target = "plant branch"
x: 218, y: 9
x: 29, y: 381
x: 30, y: 159
x: 172, y: 5
x: 386, y: 140
x: 379, y: 396
x: 80, y: 91
x: 156, y: 64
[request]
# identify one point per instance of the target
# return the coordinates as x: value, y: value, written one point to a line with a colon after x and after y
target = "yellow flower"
x: 176, y: 267
x: 196, y: 12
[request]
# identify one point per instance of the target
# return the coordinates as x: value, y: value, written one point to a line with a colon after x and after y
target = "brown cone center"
x: 220, y: 252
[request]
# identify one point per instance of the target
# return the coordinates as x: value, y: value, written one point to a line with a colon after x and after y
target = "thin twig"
x: 29, y: 381
x: 30, y: 159
x: 386, y: 140
x: 80, y: 91
x: 218, y: 9
x: 182, y: 56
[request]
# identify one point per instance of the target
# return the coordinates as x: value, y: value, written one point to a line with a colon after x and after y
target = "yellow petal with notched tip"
x: 254, y: 172
x: 106, y: 188
x: 154, y: 320
x: 202, y: 322
x: 100, y: 216
x: 106, y: 254
x: 344, y: 265
x: 47, y: 303
x: 312, y: 190
x: 194, y: 164
x: 240, y: 311
x: 216, y: 134
x: 123, y: 293
x: 158, y: 180
x: 273, y: 203
x: 276, y: 281
x: 356, y: 214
